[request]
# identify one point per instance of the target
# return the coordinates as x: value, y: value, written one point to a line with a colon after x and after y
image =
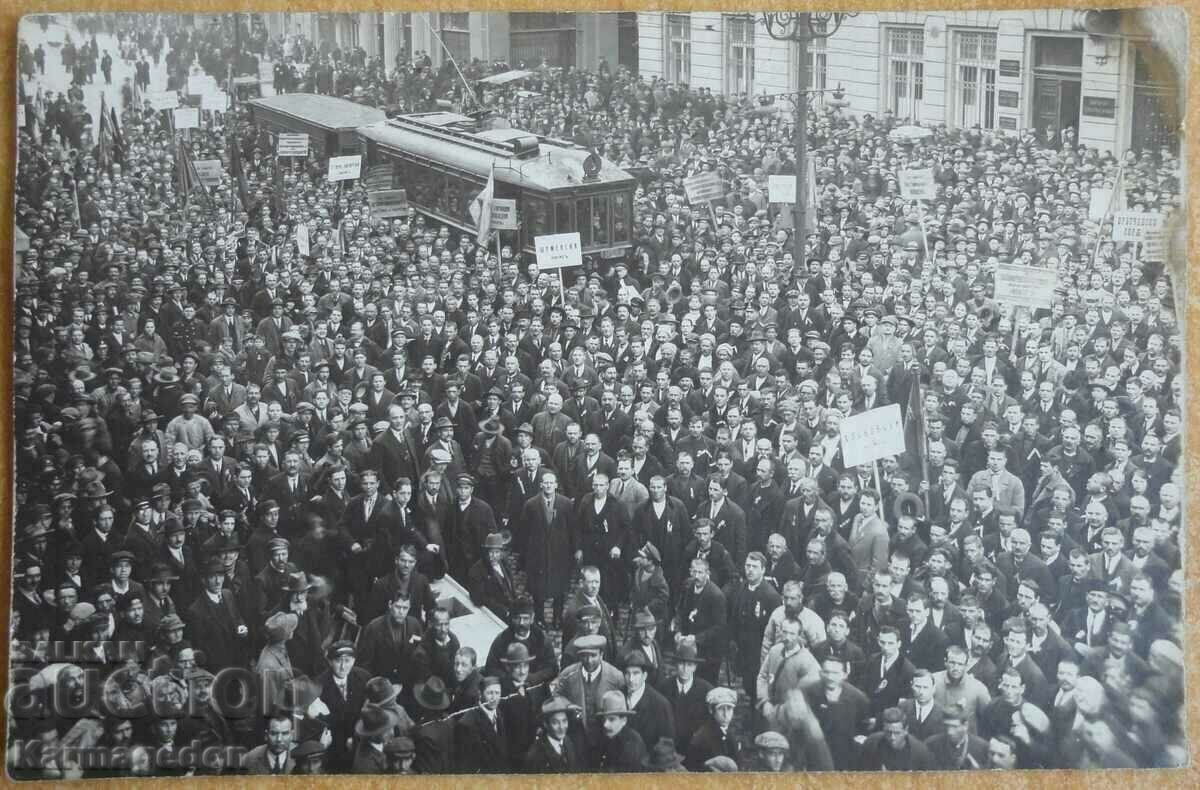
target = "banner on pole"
x: 302, y: 243
x: 1025, y: 286
x: 558, y: 251
x: 917, y: 184
x: 209, y: 171
x: 201, y: 84
x: 504, y: 214
x: 1133, y: 225
x: 292, y: 144
x: 345, y: 168
x: 1098, y: 203
x: 187, y: 118
x: 388, y: 203
x: 781, y: 189
x: 872, y: 435
x: 704, y: 188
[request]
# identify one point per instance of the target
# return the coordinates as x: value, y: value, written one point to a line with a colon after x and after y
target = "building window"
x: 548, y: 37
x: 905, y: 64
x: 974, y: 102
x: 1156, y: 111
x: 817, y: 74
x: 739, y: 71
x: 404, y: 29
x: 456, y: 35
x: 351, y: 27
x: 679, y: 48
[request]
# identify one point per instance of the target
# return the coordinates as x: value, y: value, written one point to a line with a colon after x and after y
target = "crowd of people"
x: 241, y: 471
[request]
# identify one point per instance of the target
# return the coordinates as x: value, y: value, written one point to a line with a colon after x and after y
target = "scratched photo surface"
x: 463, y: 392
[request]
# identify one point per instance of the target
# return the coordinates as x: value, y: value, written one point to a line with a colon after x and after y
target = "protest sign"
x: 871, y: 435
x: 917, y: 184
x: 209, y: 171
x: 704, y: 188
x: 187, y: 118
x: 1098, y: 203
x: 781, y: 189
x: 162, y: 100
x: 1133, y: 225
x: 558, y: 251
x: 344, y: 168
x: 217, y: 101
x: 388, y: 203
x: 1154, y: 246
x: 1025, y: 286
x: 292, y: 144
x: 504, y: 214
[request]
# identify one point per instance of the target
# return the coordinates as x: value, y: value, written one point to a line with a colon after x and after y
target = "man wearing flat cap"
x: 583, y: 683
x: 343, y: 693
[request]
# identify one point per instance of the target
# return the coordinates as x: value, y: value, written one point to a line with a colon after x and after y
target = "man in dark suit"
x: 394, y: 452
x: 924, y: 643
x: 714, y: 737
x: 489, y: 582
x: 521, y: 699
x: 343, y: 691
x: 482, y: 734
x: 687, y: 693
x: 924, y: 715
x: 215, y: 623
x: 289, y: 489
x: 653, y: 717
x: 887, y: 675
x: 702, y: 615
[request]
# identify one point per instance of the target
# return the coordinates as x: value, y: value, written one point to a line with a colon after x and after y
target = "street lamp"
x: 802, y: 27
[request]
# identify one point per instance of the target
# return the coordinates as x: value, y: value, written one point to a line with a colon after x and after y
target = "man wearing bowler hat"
x: 490, y: 581
x: 521, y: 698
x: 654, y: 719
x: 524, y: 629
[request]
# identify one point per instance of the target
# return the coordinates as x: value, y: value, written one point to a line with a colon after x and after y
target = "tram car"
x: 443, y: 160
x: 329, y: 122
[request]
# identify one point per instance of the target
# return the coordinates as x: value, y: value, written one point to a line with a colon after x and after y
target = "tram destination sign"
x: 1025, y: 286
x: 292, y: 144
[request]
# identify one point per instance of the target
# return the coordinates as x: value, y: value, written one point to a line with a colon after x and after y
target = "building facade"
x: 561, y: 39
x: 1002, y: 70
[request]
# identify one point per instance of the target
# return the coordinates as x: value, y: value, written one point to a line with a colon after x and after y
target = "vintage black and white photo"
x: 495, y: 392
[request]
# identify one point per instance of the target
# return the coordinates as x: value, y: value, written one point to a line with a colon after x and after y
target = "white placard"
x: 217, y: 101
x: 1133, y: 225
x: 781, y: 189
x: 302, y: 244
x: 20, y: 116
x: 872, y: 435
x: 1154, y: 246
x: 704, y: 188
x: 163, y: 100
x: 504, y: 214
x: 917, y: 184
x: 187, y: 118
x: 292, y: 144
x: 345, y: 168
x: 558, y: 251
x: 209, y: 171
x: 1098, y: 203
x: 200, y: 84
x: 1025, y: 286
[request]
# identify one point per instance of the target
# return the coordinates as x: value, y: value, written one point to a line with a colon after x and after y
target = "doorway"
x: 1057, y: 84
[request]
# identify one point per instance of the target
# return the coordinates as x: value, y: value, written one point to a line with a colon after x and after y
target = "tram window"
x: 563, y: 219
x: 600, y: 212
x: 621, y: 218
x: 536, y: 216
x: 583, y: 220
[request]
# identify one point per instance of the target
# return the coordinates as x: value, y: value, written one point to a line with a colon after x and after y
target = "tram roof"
x: 325, y: 112
x: 556, y: 164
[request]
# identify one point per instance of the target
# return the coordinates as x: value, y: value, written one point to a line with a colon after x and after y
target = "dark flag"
x: 915, y: 437
x: 189, y: 179
x: 102, y: 153
x: 235, y: 167
x: 118, y: 151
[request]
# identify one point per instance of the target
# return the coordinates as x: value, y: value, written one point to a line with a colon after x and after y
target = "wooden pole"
x: 562, y: 290
x: 878, y: 487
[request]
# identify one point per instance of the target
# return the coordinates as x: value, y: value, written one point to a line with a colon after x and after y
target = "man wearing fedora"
x: 553, y: 751
x: 654, y: 718
x: 521, y: 698
x: 483, y: 734
x: 687, y: 693
x: 215, y: 621
x: 371, y: 731
x: 616, y: 747
x: 490, y: 582
x: 434, y: 733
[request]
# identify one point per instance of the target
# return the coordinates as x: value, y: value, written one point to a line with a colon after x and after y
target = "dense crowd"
x: 240, y: 470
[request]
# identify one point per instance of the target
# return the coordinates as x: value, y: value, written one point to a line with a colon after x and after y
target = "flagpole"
x: 1112, y: 199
